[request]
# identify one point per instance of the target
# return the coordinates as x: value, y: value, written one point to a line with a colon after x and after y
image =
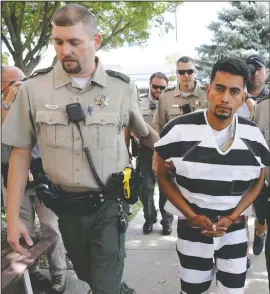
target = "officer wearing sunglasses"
x: 186, y: 97
x: 158, y: 83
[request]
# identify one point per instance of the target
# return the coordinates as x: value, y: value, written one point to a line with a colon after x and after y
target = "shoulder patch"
x: 262, y: 99
x: 118, y: 75
x: 169, y: 89
x: 41, y: 71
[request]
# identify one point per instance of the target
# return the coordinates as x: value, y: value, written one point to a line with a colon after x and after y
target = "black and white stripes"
x: 205, y: 175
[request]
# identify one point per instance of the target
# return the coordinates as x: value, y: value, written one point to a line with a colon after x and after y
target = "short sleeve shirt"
x: 39, y: 115
x: 172, y: 104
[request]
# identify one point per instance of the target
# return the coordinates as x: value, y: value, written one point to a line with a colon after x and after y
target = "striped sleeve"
x: 180, y: 135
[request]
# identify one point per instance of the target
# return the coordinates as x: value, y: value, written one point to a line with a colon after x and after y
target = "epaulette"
x: 169, y: 89
x: 118, y: 75
x: 262, y: 99
x: 40, y: 71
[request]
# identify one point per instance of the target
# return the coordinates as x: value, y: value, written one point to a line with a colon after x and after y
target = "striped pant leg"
x: 195, y: 252
x: 231, y: 262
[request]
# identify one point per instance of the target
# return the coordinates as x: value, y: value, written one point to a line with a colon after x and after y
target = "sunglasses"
x: 158, y: 87
x: 188, y: 71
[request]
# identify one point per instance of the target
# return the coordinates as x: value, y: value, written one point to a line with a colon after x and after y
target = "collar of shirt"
x: 195, y: 92
x: 62, y: 78
x: 152, y: 99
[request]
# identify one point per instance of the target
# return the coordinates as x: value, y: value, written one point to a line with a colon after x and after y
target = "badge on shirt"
x: 175, y: 105
x: 102, y: 100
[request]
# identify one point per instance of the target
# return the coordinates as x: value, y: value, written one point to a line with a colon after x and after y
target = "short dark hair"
x: 185, y: 59
x: 232, y: 65
x: 159, y: 75
x: 72, y: 14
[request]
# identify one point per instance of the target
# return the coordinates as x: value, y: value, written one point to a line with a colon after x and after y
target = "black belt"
x: 83, y: 201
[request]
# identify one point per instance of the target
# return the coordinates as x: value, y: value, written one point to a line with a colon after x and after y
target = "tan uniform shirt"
x: 59, y: 140
x: 262, y: 120
x: 171, y: 103
x: 148, y: 113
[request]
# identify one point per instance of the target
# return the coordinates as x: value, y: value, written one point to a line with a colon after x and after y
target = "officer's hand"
x: 15, y: 231
x: 13, y: 89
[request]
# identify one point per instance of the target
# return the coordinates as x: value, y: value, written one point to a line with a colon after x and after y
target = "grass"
x: 135, y: 209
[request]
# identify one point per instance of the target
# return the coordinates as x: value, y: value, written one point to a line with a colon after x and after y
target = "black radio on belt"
x: 75, y: 112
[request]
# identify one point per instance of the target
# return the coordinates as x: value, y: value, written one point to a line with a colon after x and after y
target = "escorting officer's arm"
x: 137, y: 124
x: 19, y: 132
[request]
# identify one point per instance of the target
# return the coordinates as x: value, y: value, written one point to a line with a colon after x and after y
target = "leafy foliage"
x: 26, y: 26
x: 242, y: 29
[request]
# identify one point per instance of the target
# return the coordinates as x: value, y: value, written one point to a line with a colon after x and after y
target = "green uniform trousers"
x: 148, y: 187
x: 96, y: 247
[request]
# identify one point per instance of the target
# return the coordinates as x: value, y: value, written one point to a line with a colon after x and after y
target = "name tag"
x: 175, y: 106
x: 52, y: 107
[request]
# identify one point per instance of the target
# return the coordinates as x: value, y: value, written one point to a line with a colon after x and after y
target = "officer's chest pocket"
x: 174, y: 112
x: 243, y: 179
x: 102, y: 130
x: 54, y: 129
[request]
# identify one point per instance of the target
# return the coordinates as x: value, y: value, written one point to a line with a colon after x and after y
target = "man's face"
x: 75, y: 48
x: 257, y: 81
x: 157, y: 86
x: 225, y: 94
x: 185, y: 74
x: 9, y: 76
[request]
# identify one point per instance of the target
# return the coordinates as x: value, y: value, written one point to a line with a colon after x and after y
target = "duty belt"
x: 83, y: 201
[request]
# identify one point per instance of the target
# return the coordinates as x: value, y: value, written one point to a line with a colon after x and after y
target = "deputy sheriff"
x: 94, y: 237
x: 186, y: 97
x: 158, y: 83
x: 262, y: 119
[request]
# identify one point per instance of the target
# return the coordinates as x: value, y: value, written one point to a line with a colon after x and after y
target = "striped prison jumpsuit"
x: 213, y: 182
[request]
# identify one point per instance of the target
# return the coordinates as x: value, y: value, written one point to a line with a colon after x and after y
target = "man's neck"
x: 216, y: 123
x: 187, y: 89
x: 255, y: 92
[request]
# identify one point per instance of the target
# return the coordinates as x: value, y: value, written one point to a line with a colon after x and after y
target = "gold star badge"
x: 102, y: 100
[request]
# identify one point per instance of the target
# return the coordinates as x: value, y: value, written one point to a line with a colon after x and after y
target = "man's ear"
x: 207, y: 92
x: 97, y: 41
x: 244, y: 96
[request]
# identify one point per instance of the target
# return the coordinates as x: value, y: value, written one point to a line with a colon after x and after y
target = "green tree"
x: 26, y: 26
x: 4, y: 58
x: 241, y: 29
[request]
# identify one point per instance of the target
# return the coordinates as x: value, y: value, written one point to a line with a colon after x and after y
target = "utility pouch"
x: 45, y: 189
x: 126, y: 185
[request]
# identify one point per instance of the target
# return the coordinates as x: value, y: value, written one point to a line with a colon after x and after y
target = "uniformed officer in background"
x: 262, y: 119
x: 186, y: 97
x: 94, y: 236
x: 257, y: 90
x: 158, y: 83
